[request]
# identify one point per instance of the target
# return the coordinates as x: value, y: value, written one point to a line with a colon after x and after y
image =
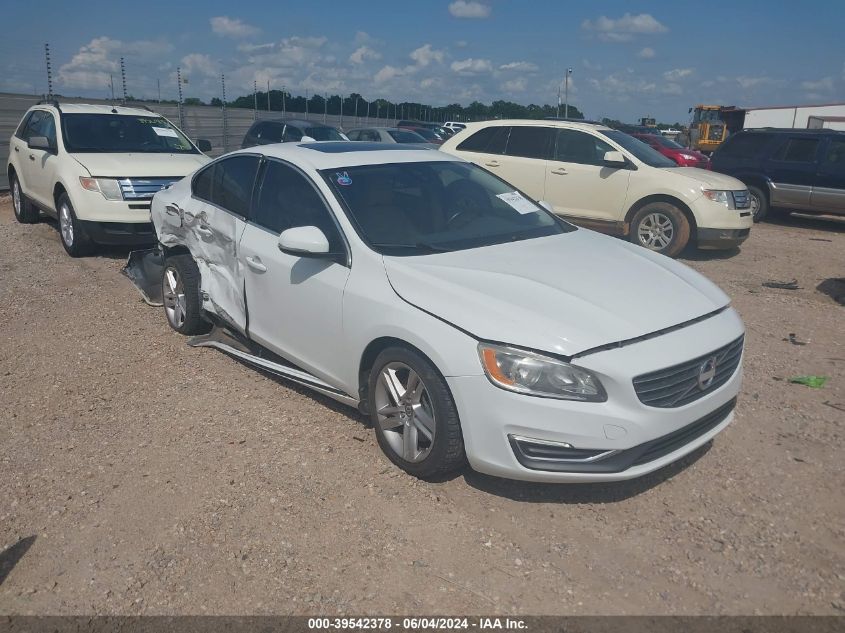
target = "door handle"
x: 560, y: 171
x: 17, y: 149
x: 32, y: 157
x: 173, y: 209
x: 255, y: 264
x: 493, y: 163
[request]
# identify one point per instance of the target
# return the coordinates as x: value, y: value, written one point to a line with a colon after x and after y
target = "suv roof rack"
x: 571, y: 120
x: 53, y: 102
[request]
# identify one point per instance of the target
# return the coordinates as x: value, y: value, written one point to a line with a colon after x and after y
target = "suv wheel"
x: 660, y: 227
x: 759, y: 203
x: 25, y: 211
x: 180, y: 288
x: 73, y: 236
x: 413, y: 413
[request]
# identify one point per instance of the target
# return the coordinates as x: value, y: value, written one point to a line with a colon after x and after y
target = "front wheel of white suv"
x: 73, y: 236
x: 414, y: 415
x: 25, y: 211
x: 661, y: 227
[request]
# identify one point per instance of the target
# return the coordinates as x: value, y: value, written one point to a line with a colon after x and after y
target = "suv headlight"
x: 109, y: 187
x: 537, y: 375
x: 717, y: 195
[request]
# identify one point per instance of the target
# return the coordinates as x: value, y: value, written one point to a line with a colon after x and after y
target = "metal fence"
x: 205, y: 122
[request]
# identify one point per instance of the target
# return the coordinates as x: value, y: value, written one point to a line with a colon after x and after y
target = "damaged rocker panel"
x: 250, y: 352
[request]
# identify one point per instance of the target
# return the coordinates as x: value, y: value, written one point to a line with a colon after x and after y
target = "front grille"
x: 675, y: 440
x: 715, y: 132
x: 143, y: 188
x: 681, y: 384
x: 741, y: 199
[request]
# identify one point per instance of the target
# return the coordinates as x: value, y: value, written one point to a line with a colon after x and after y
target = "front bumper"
x: 721, y: 238
x: 120, y: 233
x: 491, y: 417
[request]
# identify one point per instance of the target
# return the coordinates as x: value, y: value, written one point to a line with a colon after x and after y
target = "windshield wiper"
x: 420, y: 246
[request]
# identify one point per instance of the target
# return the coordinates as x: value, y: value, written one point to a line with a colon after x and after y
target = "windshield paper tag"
x: 518, y: 202
x: 163, y: 131
x: 343, y: 178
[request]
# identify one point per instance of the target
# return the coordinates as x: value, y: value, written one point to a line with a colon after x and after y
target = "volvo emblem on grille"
x: 706, y: 373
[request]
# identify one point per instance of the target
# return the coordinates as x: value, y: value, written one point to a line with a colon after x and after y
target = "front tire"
x: 414, y: 415
x: 759, y: 203
x: 660, y: 227
x: 180, y: 288
x: 25, y: 211
x: 73, y: 236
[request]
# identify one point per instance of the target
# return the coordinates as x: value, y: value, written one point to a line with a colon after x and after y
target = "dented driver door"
x: 212, y: 223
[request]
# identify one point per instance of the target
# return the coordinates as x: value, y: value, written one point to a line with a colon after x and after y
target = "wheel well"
x: 756, y: 181
x: 179, y: 249
x: 10, y: 172
x: 639, y: 204
x: 369, y: 356
x: 58, y: 190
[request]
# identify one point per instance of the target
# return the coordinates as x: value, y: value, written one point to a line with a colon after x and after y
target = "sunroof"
x: 341, y: 147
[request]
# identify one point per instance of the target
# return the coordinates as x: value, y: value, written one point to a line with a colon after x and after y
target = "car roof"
x: 789, y: 130
x: 572, y: 125
x: 333, y: 154
x: 90, y: 108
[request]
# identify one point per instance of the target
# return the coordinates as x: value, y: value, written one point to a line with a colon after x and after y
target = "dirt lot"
x: 140, y: 475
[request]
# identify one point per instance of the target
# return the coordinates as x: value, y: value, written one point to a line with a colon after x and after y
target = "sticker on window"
x: 343, y: 178
x: 165, y: 131
x: 519, y: 203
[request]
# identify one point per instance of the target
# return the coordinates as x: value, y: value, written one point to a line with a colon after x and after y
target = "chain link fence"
x: 197, y: 121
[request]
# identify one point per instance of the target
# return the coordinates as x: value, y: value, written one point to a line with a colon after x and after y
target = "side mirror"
x: 305, y: 241
x: 615, y: 159
x: 203, y: 145
x: 307, y: 139
x: 40, y: 142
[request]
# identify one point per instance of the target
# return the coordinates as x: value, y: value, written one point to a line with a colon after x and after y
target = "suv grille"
x: 715, y: 133
x: 741, y: 199
x: 689, y: 381
x: 143, y: 188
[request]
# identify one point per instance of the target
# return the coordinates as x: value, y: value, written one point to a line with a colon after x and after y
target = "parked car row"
x: 449, y: 301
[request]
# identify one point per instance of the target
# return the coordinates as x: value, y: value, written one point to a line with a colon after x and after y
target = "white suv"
x: 96, y: 168
x: 609, y: 181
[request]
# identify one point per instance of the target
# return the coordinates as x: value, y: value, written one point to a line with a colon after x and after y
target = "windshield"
x: 424, y: 207
x: 324, y: 133
x: 643, y: 152
x: 123, y: 133
x: 707, y: 115
x: 406, y: 136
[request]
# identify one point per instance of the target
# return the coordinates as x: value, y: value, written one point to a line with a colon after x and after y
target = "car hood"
x: 563, y: 294
x: 140, y: 164
x: 708, y: 179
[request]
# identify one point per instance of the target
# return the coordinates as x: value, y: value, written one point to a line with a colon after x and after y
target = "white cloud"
x: 232, y: 27
x: 472, y: 66
x: 386, y: 74
x: 200, y: 64
x: 252, y: 48
x: 623, y: 29
x: 525, y: 67
x: 425, y: 54
x: 825, y: 84
x: 91, y: 66
x: 362, y: 54
x: 515, y: 85
x: 672, y: 89
x: 622, y: 86
x: 362, y: 37
x: 469, y: 9
x: 752, y: 82
x: 646, y: 53
x: 677, y: 73
x: 586, y: 63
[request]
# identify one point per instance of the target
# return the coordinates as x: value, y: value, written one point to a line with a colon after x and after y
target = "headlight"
x: 722, y: 197
x: 537, y: 375
x: 109, y: 187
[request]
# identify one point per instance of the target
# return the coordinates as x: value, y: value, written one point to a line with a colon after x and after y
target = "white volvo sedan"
x: 468, y: 322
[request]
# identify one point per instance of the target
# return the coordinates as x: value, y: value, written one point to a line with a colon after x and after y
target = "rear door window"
x: 490, y: 140
x: 201, y: 186
x: 797, y: 150
x: 530, y: 141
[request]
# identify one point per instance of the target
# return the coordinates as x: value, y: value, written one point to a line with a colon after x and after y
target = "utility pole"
x: 284, y: 106
x: 49, y: 71
x: 268, y: 95
x: 566, y: 91
x: 368, y: 112
x: 306, y: 103
x: 225, y: 117
x: 326, y: 107
x: 254, y: 99
x: 357, y: 121
x: 378, y: 109
x: 342, y: 99
x: 111, y: 83
x: 158, y: 85
x: 123, y: 78
x: 181, y: 110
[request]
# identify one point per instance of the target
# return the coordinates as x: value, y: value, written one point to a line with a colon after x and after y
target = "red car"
x: 678, y: 153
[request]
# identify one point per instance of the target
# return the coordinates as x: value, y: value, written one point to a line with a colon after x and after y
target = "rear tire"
x: 180, y: 289
x: 25, y: 211
x: 73, y: 236
x: 660, y: 227
x: 759, y: 203
x: 414, y: 415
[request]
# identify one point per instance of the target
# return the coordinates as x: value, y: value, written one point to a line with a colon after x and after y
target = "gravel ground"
x: 140, y: 475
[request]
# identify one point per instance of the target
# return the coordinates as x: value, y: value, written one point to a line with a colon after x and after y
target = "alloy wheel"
x: 175, y: 305
x: 66, y: 224
x: 755, y: 206
x: 656, y: 231
x: 16, y: 198
x: 405, y: 412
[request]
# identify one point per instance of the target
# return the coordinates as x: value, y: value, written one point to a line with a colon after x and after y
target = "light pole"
x: 284, y: 106
x: 566, y: 92
x: 357, y: 121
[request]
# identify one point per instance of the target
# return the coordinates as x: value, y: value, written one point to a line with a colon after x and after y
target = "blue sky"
x: 629, y: 58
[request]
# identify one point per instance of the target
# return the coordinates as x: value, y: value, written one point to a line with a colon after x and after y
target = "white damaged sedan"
x: 468, y: 322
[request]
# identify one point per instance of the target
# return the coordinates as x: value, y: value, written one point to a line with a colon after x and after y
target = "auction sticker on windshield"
x: 163, y: 131
x: 518, y: 202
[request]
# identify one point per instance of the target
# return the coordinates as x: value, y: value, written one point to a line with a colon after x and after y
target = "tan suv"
x: 607, y: 180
